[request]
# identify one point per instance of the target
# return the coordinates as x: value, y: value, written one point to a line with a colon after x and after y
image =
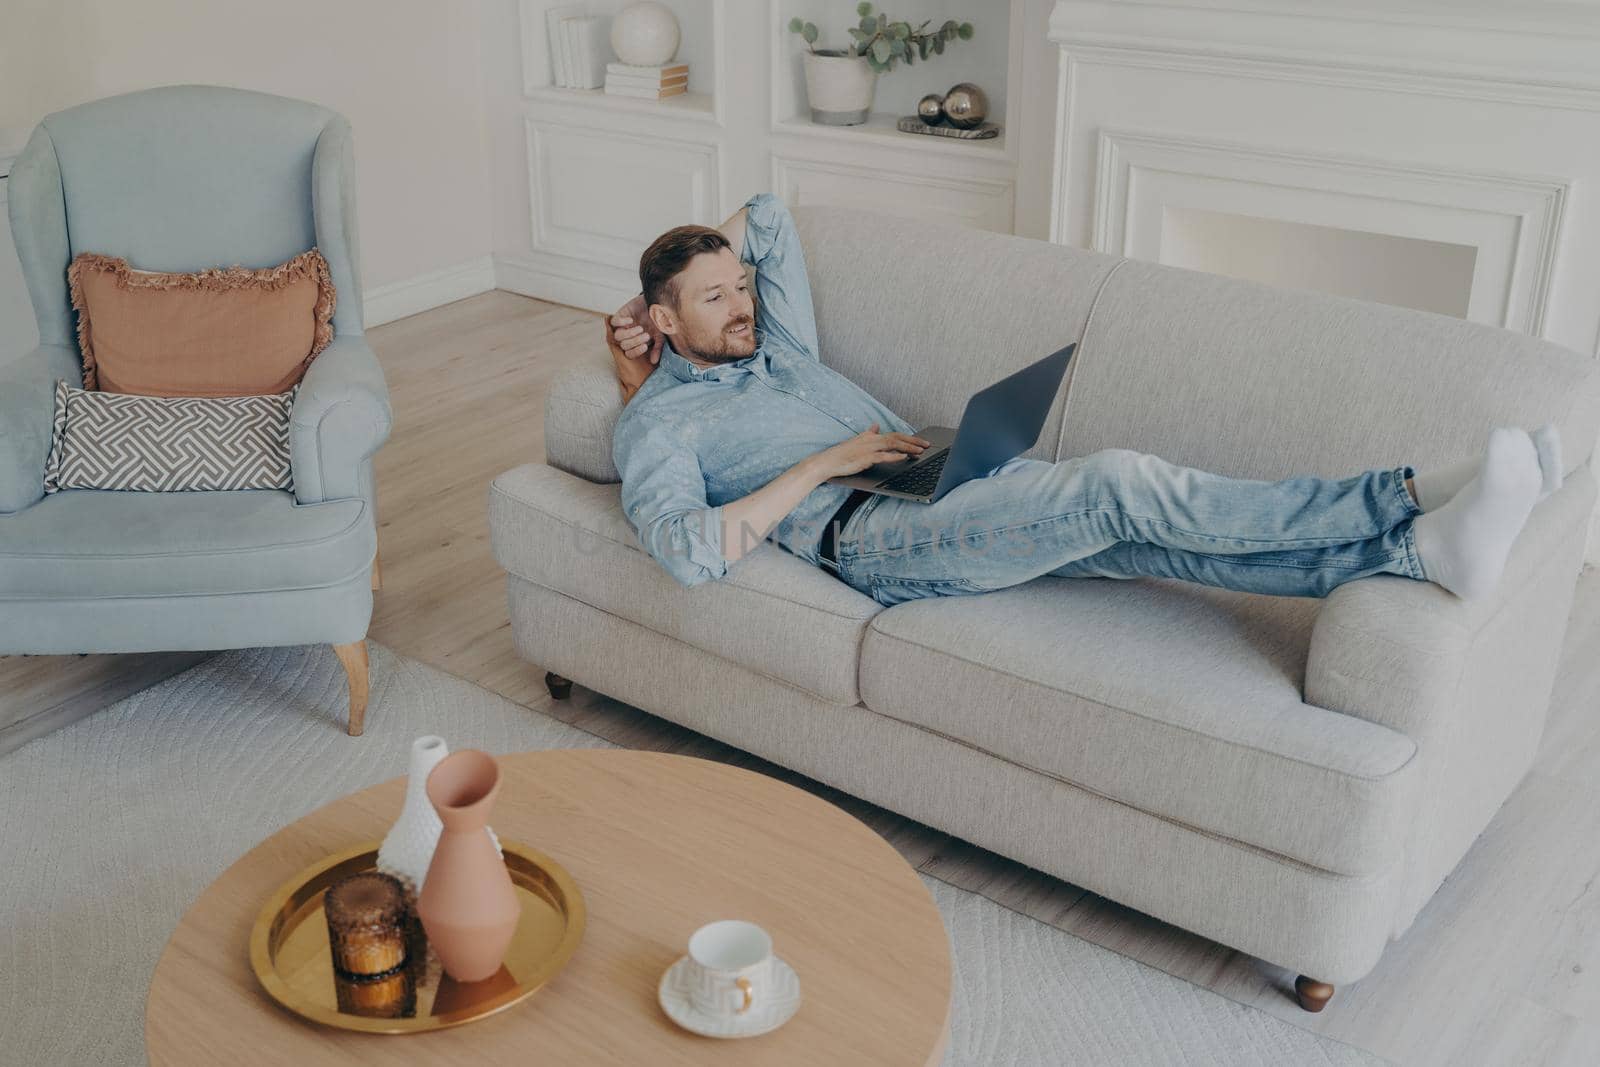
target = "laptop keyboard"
x: 920, y: 480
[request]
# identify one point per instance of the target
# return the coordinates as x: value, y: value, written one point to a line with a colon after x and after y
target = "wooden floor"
x: 1503, y: 966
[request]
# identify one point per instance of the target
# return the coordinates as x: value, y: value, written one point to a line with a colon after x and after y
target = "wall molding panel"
x: 1437, y: 156
x: 1530, y: 53
x: 1514, y: 221
x: 984, y: 203
x: 591, y: 199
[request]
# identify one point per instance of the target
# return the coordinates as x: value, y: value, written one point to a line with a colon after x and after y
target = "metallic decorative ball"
x: 965, y: 106
x: 930, y: 109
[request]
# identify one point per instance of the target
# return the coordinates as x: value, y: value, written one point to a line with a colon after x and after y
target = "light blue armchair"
x: 182, y: 178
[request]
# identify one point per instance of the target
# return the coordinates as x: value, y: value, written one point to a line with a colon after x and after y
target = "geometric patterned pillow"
x: 168, y: 444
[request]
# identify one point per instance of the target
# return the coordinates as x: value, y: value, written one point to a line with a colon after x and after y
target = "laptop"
x: 1000, y: 423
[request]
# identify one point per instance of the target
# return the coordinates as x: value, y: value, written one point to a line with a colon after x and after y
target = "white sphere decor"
x: 645, y: 35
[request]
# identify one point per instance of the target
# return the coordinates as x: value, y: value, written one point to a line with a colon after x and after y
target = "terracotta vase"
x: 468, y: 907
x: 408, y: 847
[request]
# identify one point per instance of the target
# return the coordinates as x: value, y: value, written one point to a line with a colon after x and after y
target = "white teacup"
x: 730, y: 963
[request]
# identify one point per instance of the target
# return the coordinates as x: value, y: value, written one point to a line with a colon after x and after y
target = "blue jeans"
x: 1124, y: 514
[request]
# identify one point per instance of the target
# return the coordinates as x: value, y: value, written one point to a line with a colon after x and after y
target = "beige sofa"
x: 1291, y: 777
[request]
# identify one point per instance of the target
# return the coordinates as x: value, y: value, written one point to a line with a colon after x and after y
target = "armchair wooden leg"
x: 1313, y: 995
x: 354, y: 658
x: 560, y: 688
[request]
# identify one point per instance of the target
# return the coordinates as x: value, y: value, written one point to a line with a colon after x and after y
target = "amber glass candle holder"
x: 390, y: 996
x: 366, y: 924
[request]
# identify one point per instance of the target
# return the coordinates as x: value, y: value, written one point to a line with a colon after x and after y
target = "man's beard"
x: 723, y: 349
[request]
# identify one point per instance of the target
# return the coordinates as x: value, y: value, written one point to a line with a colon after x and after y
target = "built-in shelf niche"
x: 700, y: 26
x: 987, y: 60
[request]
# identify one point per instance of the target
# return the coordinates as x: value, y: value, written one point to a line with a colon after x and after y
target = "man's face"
x: 714, y: 321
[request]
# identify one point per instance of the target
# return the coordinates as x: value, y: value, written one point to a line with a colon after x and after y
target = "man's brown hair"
x: 668, y: 255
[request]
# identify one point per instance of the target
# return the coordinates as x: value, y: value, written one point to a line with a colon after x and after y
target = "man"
x: 733, y: 426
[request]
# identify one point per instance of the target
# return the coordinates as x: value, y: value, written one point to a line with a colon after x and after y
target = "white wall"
x: 510, y: 219
x: 406, y: 73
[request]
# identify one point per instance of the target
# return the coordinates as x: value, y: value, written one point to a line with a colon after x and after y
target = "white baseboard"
x: 399, y: 299
x: 565, y: 281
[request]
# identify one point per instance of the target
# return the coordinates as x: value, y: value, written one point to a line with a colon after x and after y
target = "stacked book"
x: 648, y: 83
x: 580, y: 46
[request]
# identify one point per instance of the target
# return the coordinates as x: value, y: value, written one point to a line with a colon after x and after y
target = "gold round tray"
x: 290, y: 955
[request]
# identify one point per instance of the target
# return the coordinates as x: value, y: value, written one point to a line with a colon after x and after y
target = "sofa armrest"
x: 1394, y: 650
x: 341, y: 417
x: 27, y: 402
x: 1468, y: 681
x: 580, y: 414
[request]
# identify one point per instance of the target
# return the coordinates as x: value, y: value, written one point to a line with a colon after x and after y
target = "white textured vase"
x: 407, y: 849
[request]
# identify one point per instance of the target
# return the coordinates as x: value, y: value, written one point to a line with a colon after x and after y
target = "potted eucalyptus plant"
x: 840, y: 81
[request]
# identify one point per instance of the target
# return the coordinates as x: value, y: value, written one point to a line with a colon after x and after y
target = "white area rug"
x: 110, y: 828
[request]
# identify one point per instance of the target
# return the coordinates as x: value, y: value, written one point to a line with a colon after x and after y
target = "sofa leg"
x: 354, y: 658
x: 1313, y: 995
x: 560, y: 688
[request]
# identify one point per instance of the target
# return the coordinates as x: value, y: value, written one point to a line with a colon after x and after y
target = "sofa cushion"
x: 89, y: 544
x: 773, y: 613
x: 1178, y: 699
x: 1256, y: 381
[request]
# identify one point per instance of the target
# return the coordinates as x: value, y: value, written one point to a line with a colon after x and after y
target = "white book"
x: 648, y: 83
x: 559, y: 71
x: 594, y: 39
x: 643, y: 94
x: 650, y: 77
x: 569, y: 42
x: 664, y: 71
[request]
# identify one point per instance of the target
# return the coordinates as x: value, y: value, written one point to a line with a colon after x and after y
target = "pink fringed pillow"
x: 226, y: 331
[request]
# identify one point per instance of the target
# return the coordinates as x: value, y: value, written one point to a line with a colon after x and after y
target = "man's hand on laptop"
x: 635, y: 345
x: 856, y: 454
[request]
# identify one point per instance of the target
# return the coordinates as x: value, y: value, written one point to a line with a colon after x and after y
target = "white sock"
x: 1436, y: 487
x: 1464, y: 544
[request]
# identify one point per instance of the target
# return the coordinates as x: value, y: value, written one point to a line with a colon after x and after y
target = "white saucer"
x: 773, y: 1006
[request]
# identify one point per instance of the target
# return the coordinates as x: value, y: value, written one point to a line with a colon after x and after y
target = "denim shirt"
x: 694, y: 439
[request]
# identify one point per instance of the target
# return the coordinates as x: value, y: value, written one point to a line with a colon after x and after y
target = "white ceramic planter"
x: 839, y: 88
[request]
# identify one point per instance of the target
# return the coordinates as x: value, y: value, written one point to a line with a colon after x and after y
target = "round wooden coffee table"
x: 660, y: 845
